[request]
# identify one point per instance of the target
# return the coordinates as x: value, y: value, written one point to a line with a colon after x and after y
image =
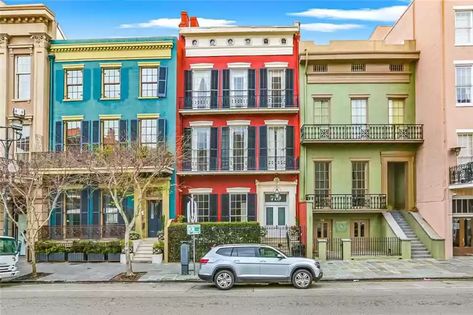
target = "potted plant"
x: 158, y: 250
x: 114, y: 250
x: 42, y: 251
x: 57, y: 252
x: 77, y: 251
x: 95, y: 252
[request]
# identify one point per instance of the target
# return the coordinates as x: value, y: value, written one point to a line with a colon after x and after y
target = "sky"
x: 321, y: 21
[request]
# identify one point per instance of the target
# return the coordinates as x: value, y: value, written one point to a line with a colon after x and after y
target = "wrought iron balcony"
x: 61, y: 232
x: 461, y: 174
x: 237, y: 100
x: 211, y: 160
x: 347, y: 201
x: 410, y: 133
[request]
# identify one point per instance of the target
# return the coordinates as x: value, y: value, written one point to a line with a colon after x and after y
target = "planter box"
x: 57, y: 257
x: 113, y: 257
x: 76, y: 257
x: 41, y: 257
x: 157, y: 259
x: 96, y: 257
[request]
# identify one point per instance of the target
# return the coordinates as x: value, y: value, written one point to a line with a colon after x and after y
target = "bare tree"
x: 122, y: 171
x: 33, y: 189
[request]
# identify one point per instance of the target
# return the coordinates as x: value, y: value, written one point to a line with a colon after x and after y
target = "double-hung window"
x: 238, y: 208
x: 111, y: 83
x: 396, y: 110
x: 464, y: 83
x: 276, y: 87
x: 72, y: 207
x: 72, y: 135
x: 238, y: 88
x: 22, y: 77
x: 74, y: 84
x: 359, y: 118
x: 201, y: 88
x: 202, y: 202
x: 149, y: 81
x: 200, y: 148
x: 321, y: 111
x: 109, y: 210
x: 276, y: 148
x: 359, y: 182
x: 110, y: 132
x: 149, y: 132
x: 465, y: 141
x: 464, y: 27
x: 23, y: 144
x: 238, y: 148
x: 322, y: 184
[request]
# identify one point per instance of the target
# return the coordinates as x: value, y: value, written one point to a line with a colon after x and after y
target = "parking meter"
x: 185, y: 258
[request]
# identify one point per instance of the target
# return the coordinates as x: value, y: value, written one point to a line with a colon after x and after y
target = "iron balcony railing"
x: 62, y: 232
x: 213, y: 160
x: 238, y: 99
x: 375, y: 246
x: 363, y: 132
x: 461, y: 174
x: 347, y: 201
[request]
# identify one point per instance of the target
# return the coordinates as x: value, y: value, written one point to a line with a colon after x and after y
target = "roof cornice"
x: 161, y: 45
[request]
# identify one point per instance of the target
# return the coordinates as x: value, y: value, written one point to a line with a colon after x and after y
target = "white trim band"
x: 201, y: 123
x: 241, y: 190
x: 238, y: 123
x: 202, y: 66
x: 200, y: 190
x: 276, y: 122
x: 278, y: 65
x: 239, y: 65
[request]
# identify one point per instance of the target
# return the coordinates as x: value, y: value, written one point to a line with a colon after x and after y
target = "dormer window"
x: 283, y: 41
x: 248, y: 41
x: 230, y: 42
x: 212, y: 42
x: 194, y: 42
x: 265, y: 41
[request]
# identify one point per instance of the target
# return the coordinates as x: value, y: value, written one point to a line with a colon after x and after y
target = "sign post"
x: 193, y: 230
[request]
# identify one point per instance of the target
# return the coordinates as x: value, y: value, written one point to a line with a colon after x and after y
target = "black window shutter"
x: 251, y: 207
x: 123, y: 131
x: 289, y: 88
x: 134, y: 130
x: 225, y: 148
x: 187, y: 149
x: 59, y: 135
x: 251, y: 87
x: 188, y: 89
x: 226, y: 89
x: 251, y: 148
x: 85, y: 128
x: 96, y: 133
x: 225, y: 208
x: 213, y: 148
x: 214, y: 89
x: 162, y: 131
x: 263, y: 87
x: 213, y: 207
x: 96, y: 204
x: 290, y: 163
x: 263, y: 148
x: 184, y: 201
x: 84, y: 206
x: 162, y: 84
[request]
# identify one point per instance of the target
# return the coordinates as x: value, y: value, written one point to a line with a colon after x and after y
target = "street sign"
x: 193, y: 229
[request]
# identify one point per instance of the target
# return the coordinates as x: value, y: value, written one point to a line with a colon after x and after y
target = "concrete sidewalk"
x: 457, y: 268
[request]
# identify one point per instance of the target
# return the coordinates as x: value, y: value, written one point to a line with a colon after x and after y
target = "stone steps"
x: 418, y: 249
x: 144, y: 252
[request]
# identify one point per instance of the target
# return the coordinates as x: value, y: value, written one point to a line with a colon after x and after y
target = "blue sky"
x: 321, y: 21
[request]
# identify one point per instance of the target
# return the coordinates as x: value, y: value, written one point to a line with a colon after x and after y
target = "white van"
x: 9, y: 252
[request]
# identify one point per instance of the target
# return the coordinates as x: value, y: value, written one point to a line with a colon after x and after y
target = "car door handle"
x: 262, y: 261
x: 236, y: 261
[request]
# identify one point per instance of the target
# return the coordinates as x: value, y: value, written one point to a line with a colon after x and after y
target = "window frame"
x: 142, y: 83
x: 243, y: 216
x: 457, y: 43
x: 462, y: 159
x: 392, y: 109
x: 67, y: 85
x: 365, y: 171
x: 195, y: 148
x: 321, y: 100
x: 102, y: 131
x: 202, y: 217
x: 234, y: 130
x: 148, y: 144
x: 104, y: 69
x: 66, y: 203
x: 464, y: 65
x: 365, y: 99
x: 106, y: 214
x: 65, y: 129
x: 328, y: 170
x: 19, y: 74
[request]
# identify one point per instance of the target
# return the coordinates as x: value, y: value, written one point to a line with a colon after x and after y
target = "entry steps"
x: 144, y: 251
x: 418, y: 249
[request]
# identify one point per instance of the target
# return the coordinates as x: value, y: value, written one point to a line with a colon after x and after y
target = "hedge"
x: 212, y: 234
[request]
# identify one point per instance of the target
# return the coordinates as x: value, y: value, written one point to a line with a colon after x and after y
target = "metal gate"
x: 334, y: 249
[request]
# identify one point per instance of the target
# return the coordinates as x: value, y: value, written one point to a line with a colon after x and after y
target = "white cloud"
x: 174, y: 23
x: 386, y: 14
x: 329, y: 27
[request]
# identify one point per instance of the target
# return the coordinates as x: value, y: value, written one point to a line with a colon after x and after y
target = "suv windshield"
x: 8, y: 246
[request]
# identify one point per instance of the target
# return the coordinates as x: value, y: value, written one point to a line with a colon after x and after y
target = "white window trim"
x: 276, y: 122
x: 239, y: 65
x: 276, y: 65
x: 463, y: 7
x: 201, y: 123
x: 462, y: 63
x: 238, y: 190
x: 202, y: 66
x: 456, y: 9
x: 238, y: 123
x: 464, y: 131
x: 200, y: 190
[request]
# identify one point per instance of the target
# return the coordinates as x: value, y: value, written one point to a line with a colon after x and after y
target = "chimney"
x: 194, y: 21
x: 184, y: 19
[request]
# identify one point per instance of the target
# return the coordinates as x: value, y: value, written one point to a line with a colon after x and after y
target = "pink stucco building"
x: 443, y: 31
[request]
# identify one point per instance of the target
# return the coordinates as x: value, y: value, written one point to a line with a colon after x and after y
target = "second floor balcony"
x: 368, y: 133
x: 461, y: 174
x: 330, y: 202
x: 234, y: 101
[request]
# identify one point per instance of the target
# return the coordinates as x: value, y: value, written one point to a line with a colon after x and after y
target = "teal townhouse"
x: 105, y: 92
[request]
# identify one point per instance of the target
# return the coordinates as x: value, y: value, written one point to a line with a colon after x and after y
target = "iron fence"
x: 287, y: 239
x: 347, y: 201
x: 461, y: 174
x: 82, y: 232
x: 334, y: 249
x: 375, y: 246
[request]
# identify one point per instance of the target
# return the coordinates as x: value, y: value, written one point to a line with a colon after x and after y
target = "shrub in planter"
x: 113, y: 251
x: 77, y: 251
x: 42, y: 251
x: 134, y: 236
x: 57, y: 252
x: 158, y: 250
x: 96, y: 252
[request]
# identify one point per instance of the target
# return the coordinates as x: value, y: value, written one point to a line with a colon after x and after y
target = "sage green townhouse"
x: 359, y: 139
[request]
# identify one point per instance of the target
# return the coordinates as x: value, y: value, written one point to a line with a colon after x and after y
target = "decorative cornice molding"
x: 110, y: 47
x: 24, y: 19
x: 40, y: 40
x: 4, y: 40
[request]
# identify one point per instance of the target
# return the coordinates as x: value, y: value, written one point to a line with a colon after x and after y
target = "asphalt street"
x: 401, y: 297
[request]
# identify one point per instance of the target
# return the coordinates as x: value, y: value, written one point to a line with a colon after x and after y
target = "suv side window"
x: 225, y: 251
x: 268, y: 252
x: 244, y: 252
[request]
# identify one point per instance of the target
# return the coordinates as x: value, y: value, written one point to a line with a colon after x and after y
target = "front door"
x: 397, y: 185
x: 155, y: 212
x: 360, y: 233
x: 323, y: 230
x: 462, y: 236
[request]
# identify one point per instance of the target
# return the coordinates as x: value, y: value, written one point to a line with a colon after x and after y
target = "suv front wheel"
x: 224, y: 279
x: 302, y: 279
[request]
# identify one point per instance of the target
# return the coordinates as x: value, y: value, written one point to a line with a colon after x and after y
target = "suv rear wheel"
x: 302, y: 279
x: 224, y: 279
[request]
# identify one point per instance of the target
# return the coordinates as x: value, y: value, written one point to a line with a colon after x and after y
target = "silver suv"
x: 227, y: 264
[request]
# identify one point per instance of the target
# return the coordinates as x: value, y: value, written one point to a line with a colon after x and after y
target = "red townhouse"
x: 238, y: 123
